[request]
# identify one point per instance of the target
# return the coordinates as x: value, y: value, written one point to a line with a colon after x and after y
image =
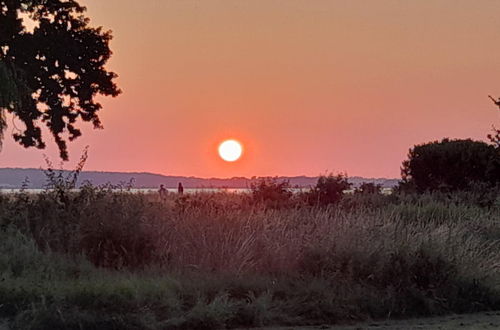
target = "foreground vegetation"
x: 101, y: 259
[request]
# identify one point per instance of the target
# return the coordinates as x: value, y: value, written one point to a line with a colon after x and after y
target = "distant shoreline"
x: 385, y: 191
x: 13, y: 178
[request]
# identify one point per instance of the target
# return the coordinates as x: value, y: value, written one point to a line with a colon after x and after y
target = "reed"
x: 97, y: 258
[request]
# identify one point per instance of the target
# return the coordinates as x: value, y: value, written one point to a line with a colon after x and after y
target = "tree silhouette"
x: 495, y: 137
x: 450, y: 165
x: 51, y: 69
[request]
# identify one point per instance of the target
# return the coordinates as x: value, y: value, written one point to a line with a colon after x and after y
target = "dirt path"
x: 487, y: 320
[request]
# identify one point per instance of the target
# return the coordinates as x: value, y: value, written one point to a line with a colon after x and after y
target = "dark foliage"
x: 451, y: 165
x: 495, y: 136
x: 329, y: 189
x: 369, y: 188
x: 272, y: 192
x: 52, y: 73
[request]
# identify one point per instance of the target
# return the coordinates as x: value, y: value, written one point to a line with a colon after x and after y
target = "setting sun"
x: 230, y: 150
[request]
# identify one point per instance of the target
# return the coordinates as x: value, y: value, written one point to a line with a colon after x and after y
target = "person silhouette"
x: 180, y: 189
x: 162, y: 191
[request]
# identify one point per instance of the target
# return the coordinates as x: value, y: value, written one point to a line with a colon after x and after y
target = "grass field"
x: 101, y: 259
x: 483, y: 320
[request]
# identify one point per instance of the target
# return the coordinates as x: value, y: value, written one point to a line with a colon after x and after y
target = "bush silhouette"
x: 329, y: 189
x: 451, y: 165
x: 271, y: 191
x: 369, y: 188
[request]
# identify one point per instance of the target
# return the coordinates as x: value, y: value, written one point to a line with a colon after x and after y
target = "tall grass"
x: 96, y: 258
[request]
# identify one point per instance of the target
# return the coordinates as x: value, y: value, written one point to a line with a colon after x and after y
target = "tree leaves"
x: 451, y: 165
x: 52, y: 75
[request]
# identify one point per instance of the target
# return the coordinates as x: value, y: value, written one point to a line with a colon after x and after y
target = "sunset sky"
x: 306, y: 86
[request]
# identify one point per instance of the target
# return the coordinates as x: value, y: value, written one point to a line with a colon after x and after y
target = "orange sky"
x: 307, y: 86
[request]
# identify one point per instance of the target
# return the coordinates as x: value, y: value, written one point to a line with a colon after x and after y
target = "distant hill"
x: 14, y: 177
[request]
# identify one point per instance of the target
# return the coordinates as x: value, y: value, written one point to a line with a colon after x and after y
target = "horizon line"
x: 207, y: 178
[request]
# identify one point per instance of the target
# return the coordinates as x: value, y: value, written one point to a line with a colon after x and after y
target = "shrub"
x: 272, y: 192
x: 329, y: 189
x: 369, y: 188
x: 450, y: 165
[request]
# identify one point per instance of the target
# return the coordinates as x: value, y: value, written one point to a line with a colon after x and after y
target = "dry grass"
x: 221, y: 260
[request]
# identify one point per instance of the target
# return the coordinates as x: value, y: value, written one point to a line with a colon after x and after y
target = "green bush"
x: 271, y: 192
x: 451, y: 165
x: 329, y: 189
